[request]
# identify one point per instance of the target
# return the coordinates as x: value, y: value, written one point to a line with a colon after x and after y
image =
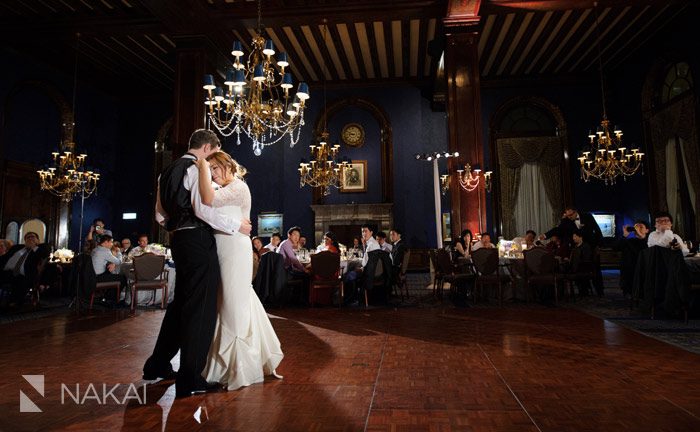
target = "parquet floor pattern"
x: 436, y: 369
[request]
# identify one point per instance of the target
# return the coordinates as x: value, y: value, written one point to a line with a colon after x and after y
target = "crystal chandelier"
x: 606, y: 159
x: 469, y: 178
x: 67, y: 174
x: 255, y: 99
x: 323, y: 170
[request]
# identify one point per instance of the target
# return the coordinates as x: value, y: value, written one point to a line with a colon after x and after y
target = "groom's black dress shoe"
x: 150, y: 375
x: 200, y: 389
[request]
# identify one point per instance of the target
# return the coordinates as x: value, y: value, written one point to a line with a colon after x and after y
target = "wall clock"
x: 353, y: 135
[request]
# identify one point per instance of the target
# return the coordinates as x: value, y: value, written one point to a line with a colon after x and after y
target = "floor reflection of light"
x: 201, y: 414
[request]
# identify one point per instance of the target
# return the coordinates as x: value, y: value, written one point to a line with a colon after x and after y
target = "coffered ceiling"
x: 130, y: 45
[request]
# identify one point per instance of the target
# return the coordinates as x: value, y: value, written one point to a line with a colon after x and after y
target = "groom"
x: 189, y: 321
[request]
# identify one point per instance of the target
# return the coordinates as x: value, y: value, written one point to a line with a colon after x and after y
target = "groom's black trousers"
x: 190, y: 319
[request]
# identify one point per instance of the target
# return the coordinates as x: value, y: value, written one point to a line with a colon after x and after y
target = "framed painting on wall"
x: 355, y: 177
x: 606, y: 222
x: 446, y: 227
x: 269, y: 223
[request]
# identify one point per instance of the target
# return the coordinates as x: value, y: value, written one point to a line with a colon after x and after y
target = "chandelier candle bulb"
x: 256, y: 100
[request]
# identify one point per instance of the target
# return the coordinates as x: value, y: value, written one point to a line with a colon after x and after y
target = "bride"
x: 245, y: 347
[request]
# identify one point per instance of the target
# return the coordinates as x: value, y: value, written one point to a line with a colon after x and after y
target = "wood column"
x: 464, y: 124
x: 188, y: 101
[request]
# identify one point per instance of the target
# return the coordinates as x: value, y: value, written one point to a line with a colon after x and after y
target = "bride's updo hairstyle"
x: 225, y: 160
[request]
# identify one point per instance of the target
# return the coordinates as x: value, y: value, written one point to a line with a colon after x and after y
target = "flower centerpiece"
x: 63, y: 255
x: 155, y: 248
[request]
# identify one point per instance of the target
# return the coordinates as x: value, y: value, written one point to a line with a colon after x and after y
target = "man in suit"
x: 398, y: 250
x: 189, y: 321
x: 20, y: 266
x: 573, y: 221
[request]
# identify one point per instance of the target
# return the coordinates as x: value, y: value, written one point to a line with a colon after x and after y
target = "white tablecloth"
x: 148, y: 297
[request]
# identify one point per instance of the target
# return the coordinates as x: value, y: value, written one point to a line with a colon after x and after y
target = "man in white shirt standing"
x: 664, y: 236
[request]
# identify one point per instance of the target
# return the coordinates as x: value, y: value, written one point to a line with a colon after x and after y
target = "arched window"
x: 527, y: 118
x: 677, y: 81
x: 528, y: 153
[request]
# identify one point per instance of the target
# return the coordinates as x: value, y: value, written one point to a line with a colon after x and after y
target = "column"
x: 464, y: 111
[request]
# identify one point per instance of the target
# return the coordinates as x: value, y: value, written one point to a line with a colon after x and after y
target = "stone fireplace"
x: 327, y: 215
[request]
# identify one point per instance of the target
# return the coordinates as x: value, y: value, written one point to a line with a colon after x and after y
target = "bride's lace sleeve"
x: 236, y: 193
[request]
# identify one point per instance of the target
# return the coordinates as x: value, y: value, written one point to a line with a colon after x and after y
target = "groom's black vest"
x: 175, y: 199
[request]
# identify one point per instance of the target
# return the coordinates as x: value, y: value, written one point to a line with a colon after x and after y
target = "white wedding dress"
x: 245, y: 347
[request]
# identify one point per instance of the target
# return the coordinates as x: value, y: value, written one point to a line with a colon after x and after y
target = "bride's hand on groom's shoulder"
x: 202, y: 163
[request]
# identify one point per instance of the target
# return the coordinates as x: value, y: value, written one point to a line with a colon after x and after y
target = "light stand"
x: 433, y: 157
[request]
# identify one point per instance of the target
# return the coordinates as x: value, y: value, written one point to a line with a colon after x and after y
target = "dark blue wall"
x: 118, y: 137
x: 274, y: 180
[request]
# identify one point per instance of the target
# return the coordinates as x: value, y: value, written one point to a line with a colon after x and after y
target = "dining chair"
x: 400, y: 280
x: 450, y: 272
x: 541, y: 269
x: 487, y: 268
x: 325, y: 278
x: 149, y: 274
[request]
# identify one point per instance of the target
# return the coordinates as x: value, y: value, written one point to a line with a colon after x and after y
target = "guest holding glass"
x: 664, y: 235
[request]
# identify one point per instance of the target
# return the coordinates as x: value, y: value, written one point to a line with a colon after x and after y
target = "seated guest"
x: 581, y: 260
x: 106, y: 265
x: 463, y: 245
x: 485, y: 242
x: 258, y: 247
x: 530, y: 237
x: 356, y: 250
x: 381, y: 239
x: 20, y: 266
x: 664, y: 236
x: 558, y: 247
x: 141, y: 248
x: 295, y: 269
x: 631, y: 247
x: 329, y: 243
x: 353, y: 274
x: 398, y: 247
x: 258, y: 251
x: 117, y: 250
x: 97, y: 229
x: 397, y: 252
x: 302, y: 242
x: 126, y: 246
x: 4, y: 247
x: 275, y: 241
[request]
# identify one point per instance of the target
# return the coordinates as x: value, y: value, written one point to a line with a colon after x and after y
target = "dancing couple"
x: 216, y: 320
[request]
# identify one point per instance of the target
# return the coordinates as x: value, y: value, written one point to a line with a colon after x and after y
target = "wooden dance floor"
x: 478, y: 369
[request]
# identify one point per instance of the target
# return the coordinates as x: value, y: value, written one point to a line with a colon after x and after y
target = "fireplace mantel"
x: 351, y: 214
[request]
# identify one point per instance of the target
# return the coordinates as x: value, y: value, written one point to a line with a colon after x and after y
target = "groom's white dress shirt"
x: 216, y: 220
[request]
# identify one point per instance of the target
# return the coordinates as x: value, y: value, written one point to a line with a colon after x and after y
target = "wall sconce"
x: 444, y: 183
x: 469, y: 178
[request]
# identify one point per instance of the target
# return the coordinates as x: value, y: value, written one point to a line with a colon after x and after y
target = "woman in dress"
x: 245, y: 347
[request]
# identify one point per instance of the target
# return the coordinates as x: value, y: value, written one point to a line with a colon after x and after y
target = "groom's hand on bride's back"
x: 246, y: 227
